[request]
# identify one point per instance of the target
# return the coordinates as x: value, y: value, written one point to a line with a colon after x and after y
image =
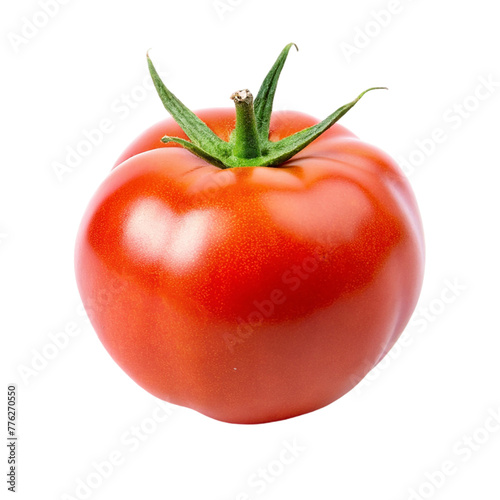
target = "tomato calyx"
x: 249, y: 144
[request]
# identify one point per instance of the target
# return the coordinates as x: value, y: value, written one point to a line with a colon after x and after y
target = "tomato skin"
x: 251, y: 294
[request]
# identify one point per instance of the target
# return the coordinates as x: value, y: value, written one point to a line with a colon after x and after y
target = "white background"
x: 433, y: 399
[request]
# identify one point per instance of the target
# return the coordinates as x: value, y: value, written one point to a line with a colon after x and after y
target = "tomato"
x: 250, y: 294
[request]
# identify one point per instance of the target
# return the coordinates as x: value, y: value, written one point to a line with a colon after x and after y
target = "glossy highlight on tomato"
x: 255, y: 293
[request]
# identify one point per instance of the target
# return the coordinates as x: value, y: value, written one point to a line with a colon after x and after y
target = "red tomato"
x: 251, y: 294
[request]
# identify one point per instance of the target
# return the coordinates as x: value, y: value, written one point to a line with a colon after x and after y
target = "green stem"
x: 245, y: 136
x: 249, y: 143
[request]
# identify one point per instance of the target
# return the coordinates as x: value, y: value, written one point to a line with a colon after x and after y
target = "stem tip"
x: 242, y: 96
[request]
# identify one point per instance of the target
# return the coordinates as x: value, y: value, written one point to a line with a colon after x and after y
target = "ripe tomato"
x: 251, y: 294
